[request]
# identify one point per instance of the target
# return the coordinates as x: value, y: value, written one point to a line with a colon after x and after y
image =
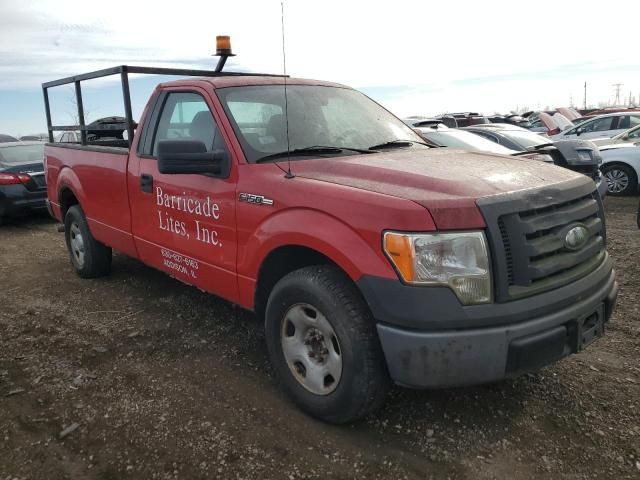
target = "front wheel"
x: 621, y: 179
x: 323, y: 345
x: 89, y: 258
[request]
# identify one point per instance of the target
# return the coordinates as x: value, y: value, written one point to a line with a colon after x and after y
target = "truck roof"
x: 248, y: 80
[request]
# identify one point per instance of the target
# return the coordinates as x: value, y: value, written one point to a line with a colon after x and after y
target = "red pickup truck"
x: 373, y: 257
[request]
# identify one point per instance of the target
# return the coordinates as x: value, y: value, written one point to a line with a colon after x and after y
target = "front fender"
x: 318, y: 231
x: 630, y: 158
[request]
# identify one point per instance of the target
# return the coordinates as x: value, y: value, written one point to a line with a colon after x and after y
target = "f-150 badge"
x: 257, y: 199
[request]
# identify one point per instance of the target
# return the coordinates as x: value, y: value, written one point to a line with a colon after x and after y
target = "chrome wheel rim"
x: 77, y: 244
x: 311, y: 349
x: 617, y: 180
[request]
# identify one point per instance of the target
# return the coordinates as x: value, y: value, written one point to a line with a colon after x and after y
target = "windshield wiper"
x: 319, y: 149
x: 398, y: 143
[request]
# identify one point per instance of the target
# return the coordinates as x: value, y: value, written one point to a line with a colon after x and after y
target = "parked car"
x: 22, y: 182
x: 570, y: 113
x: 106, y: 132
x: 501, y: 126
x: 463, y: 119
x: 608, y: 125
x: 370, y: 256
x: 422, y: 122
x: 578, y: 155
x: 607, y: 110
x: 457, y: 138
x: 548, y: 123
x: 38, y: 137
x: 628, y: 136
x: 513, y: 120
x: 69, y: 137
x: 7, y: 138
x: 621, y: 168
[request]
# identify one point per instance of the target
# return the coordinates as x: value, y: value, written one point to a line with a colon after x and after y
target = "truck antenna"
x: 288, y: 173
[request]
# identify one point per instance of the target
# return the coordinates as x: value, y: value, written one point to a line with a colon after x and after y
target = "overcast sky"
x: 419, y: 57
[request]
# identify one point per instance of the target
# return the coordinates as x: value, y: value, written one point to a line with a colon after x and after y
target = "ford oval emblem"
x: 576, y: 237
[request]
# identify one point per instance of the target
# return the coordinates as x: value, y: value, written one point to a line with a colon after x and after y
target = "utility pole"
x: 585, y: 95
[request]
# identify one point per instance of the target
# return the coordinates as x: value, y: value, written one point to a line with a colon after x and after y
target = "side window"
x: 598, y: 125
x: 186, y: 115
x: 634, y: 121
x: 624, y: 122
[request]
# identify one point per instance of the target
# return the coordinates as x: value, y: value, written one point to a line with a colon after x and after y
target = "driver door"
x: 185, y: 224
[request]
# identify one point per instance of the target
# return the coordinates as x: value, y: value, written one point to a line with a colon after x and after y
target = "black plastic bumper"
x: 17, y: 200
x: 430, y: 340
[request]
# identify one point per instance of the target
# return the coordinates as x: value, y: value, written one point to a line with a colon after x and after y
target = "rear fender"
x: 67, y: 179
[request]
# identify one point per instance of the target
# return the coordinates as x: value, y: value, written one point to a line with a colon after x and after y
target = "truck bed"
x: 98, y: 176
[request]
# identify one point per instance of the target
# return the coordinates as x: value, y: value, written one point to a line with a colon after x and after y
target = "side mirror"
x: 625, y: 137
x: 578, y: 131
x: 191, y: 156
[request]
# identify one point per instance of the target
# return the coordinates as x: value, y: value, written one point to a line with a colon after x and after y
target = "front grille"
x: 527, y: 237
x: 591, y: 171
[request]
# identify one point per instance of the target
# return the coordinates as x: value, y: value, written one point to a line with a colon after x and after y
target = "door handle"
x: 146, y: 183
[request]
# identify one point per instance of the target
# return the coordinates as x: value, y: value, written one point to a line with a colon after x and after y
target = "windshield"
x: 631, y: 134
x: 465, y: 140
x: 318, y: 116
x: 526, y: 139
x: 21, y: 154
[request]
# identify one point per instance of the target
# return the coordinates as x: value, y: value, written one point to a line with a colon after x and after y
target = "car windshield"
x: 21, y: 154
x: 632, y: 133
x: 318, y: 116
x: 526, y: 139
x: 465, y: 140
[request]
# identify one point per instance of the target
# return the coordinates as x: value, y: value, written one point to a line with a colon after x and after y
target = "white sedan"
x: 631, y: 135
x: 607, y: 125
x: 621, y: 168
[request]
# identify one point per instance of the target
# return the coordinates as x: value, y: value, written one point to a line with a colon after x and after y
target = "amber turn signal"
x: 398, y: 248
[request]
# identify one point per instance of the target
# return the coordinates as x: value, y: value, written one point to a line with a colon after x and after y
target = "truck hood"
x: 445, y: 181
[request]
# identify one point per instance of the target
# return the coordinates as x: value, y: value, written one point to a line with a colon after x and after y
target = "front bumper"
x: 17, y: 200
x: 602, y: 187
x: 484, y: 343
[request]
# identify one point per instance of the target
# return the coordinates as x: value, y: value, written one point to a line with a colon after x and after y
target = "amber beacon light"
x: 223, y: 45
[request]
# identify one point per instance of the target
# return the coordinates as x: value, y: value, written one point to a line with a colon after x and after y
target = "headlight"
x: 457, y: 260
x: 584, y: 155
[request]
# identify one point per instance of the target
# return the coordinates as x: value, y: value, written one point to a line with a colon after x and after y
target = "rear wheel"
x: 89, y: 257
x: 323, y: 345
x: 621, y: 179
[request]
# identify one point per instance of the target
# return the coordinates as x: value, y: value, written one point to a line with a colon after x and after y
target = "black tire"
x: 364, y: 380
x: 621, y: 179
x: 96, y: 258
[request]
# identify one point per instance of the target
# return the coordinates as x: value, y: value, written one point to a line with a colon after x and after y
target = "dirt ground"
x: 139, y: 376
